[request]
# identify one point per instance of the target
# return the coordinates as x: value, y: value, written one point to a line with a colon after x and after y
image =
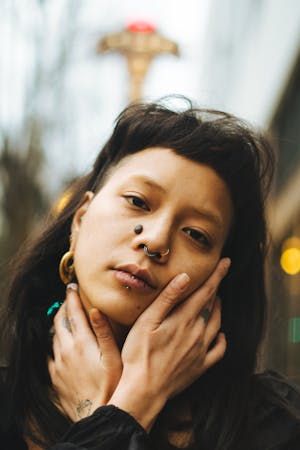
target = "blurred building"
x: 253, y: 70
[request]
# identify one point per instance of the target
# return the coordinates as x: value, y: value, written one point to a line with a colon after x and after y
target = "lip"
x: 129, y: 280
x: 138, y: 272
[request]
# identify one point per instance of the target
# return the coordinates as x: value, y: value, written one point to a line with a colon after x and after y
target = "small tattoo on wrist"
x: 84, y: 408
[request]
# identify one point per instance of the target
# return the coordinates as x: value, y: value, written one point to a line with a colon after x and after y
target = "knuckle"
x: 104, y: 335
x: 147, y: 322
x: 79, y: 343
x: 64, y: 354
x: 170, y: 295
x: 66, y: 350
x: 100, y: 323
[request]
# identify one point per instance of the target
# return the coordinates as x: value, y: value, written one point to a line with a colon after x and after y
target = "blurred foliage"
x: 22, y: 200
x: 49, y: 33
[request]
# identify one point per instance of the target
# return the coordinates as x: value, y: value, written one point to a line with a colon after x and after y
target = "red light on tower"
x: 141, y: 26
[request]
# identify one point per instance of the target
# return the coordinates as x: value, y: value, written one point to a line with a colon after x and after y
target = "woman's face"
x: 188, y: 211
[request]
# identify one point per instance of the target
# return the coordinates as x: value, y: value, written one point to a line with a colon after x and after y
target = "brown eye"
x: 137, y: 201
x: 199, y: 237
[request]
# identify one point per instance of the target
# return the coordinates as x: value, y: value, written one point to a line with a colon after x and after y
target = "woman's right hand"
x: 87, y: 363
x: 169, y: 347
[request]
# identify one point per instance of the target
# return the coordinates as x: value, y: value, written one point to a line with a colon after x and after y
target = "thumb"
x: 104, y: 335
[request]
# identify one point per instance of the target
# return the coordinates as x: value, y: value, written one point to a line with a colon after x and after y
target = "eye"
x: 198, y: 236
x: 136, y: 201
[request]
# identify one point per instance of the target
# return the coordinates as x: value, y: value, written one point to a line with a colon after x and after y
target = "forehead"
x: 179, y: 180
x: 169, y: 170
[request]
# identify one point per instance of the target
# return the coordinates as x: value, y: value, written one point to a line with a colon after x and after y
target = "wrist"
x: 134, y: 399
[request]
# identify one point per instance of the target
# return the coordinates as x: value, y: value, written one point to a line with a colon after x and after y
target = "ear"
x: 78, y: 216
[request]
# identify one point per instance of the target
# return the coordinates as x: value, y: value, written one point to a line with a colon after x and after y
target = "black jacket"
x: 110, y: 428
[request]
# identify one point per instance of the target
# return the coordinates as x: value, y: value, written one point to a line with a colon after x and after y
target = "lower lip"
x: 130, y: 280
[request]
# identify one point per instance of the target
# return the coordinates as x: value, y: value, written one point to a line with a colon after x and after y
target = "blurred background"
x: 68, y: 67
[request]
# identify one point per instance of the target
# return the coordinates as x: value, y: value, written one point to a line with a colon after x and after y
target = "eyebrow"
x: 149, y: 182
x: 202, y: 212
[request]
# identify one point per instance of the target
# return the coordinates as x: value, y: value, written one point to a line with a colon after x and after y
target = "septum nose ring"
x: 155, y: 254
x: 138, y: 229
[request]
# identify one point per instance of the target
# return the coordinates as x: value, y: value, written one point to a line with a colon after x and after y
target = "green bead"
x: 53, y: 307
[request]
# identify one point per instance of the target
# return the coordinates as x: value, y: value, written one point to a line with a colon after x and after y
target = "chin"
x: 123, y: 319
x: 115, y: 306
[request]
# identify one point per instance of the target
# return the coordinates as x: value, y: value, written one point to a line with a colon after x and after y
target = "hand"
x: 87, y: 364
x: 169, y: 347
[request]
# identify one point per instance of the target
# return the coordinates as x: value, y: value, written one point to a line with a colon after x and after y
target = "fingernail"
x: 222, y: 335
x: 181, y: 281
x: 226, y: 263
x: 72, y: 286
x: 96, y: 321
x: 95, y: 317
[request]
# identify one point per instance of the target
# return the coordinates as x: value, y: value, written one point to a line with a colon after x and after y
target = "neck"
x: 120, y: 332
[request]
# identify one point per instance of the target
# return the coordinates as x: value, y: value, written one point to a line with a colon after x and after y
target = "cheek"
x: 91, y: 246
x: 98, y: 236
x: 201, y: 271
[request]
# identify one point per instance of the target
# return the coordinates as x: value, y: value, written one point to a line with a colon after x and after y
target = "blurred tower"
x: 139, y: 42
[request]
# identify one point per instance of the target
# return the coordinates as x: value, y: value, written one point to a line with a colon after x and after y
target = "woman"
x: 138, y: 359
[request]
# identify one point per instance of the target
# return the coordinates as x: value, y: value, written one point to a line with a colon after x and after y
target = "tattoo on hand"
x: 84, y: 408
x: 67, y: 324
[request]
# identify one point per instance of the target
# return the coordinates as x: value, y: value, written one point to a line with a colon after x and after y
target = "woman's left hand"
x: 87, y: 365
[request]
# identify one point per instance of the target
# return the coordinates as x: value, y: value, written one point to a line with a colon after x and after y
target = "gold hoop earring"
x: 66, y: 267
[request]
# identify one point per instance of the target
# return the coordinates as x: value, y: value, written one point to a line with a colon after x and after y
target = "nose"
x: 156, y: 235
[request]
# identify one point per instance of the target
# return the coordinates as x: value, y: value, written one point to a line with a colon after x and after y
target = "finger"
x: 207, y: 291
x: 56, y: 348
x: 217, y: 352
x: 209, y: 288
x: 61, y: 333
x: 108, y: 348
x: 76, y: 314
x: 168, y: 298
x: 51, y: 368
x: 205, y: 315
x: 52, y: 371
x: 213, y: 324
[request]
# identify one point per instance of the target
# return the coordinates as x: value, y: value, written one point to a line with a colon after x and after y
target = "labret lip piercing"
x: 138, y: 229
